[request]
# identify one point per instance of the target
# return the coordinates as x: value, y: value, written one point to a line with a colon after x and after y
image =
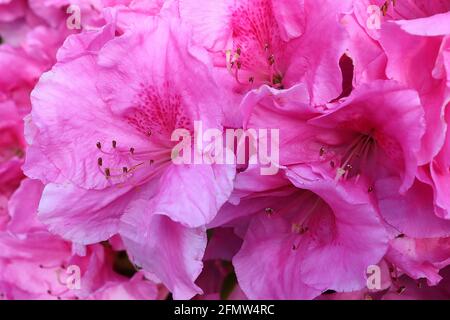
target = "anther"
x: 299, y: 229
x: 322, y: 151
x: 239, y: 64
x: 99, y: 145
x: 269, y: 211
x: 332, y: 164
x: 251, y: 79
x: 100, y: 161
x: 132, y: 150
x: 238, y: 51
x: 266, y: 47
x: 419, y: 284
x: 401, y: 289
x: 114, y: 144
x: 385, y: 7
x: 125, y: 170
x: 370, y: 189
x: 108, y: 172
x: 272, y: 59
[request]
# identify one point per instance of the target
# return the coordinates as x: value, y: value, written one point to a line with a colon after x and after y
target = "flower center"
x: 126, y: 163
x: 270, y: 70
x: 257, y: 46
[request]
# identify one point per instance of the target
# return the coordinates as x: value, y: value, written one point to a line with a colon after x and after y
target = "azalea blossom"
x: 224, y: 150
x: 125, y: 164
x: 273, y: 42
x: 51, y: 267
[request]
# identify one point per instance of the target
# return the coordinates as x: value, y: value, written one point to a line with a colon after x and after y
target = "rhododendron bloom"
x: 295, y: 222
x: 134, y: 104
x: 224, y: 149
x: 274, y: 42
x: 49, y: 265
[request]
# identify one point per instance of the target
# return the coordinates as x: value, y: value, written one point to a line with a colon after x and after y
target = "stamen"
x: 401, y: 289
x: 355, y: 157
x: 269, y: 211
x: 300, y: 227
x: 419, y: 284
x: 228, y: 60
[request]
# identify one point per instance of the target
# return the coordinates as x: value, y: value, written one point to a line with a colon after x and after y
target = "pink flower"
x: 351, y: 140
x: 12, y: 9
x: 38, y: 265
x: 409, y: 46
x: 298, y: 228
x: 101, y: 99
x: 273, y: 42
x: 117, y: 175
x: 218, y: 282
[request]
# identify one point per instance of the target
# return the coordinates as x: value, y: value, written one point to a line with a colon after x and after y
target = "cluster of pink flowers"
x: 91, y: 92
